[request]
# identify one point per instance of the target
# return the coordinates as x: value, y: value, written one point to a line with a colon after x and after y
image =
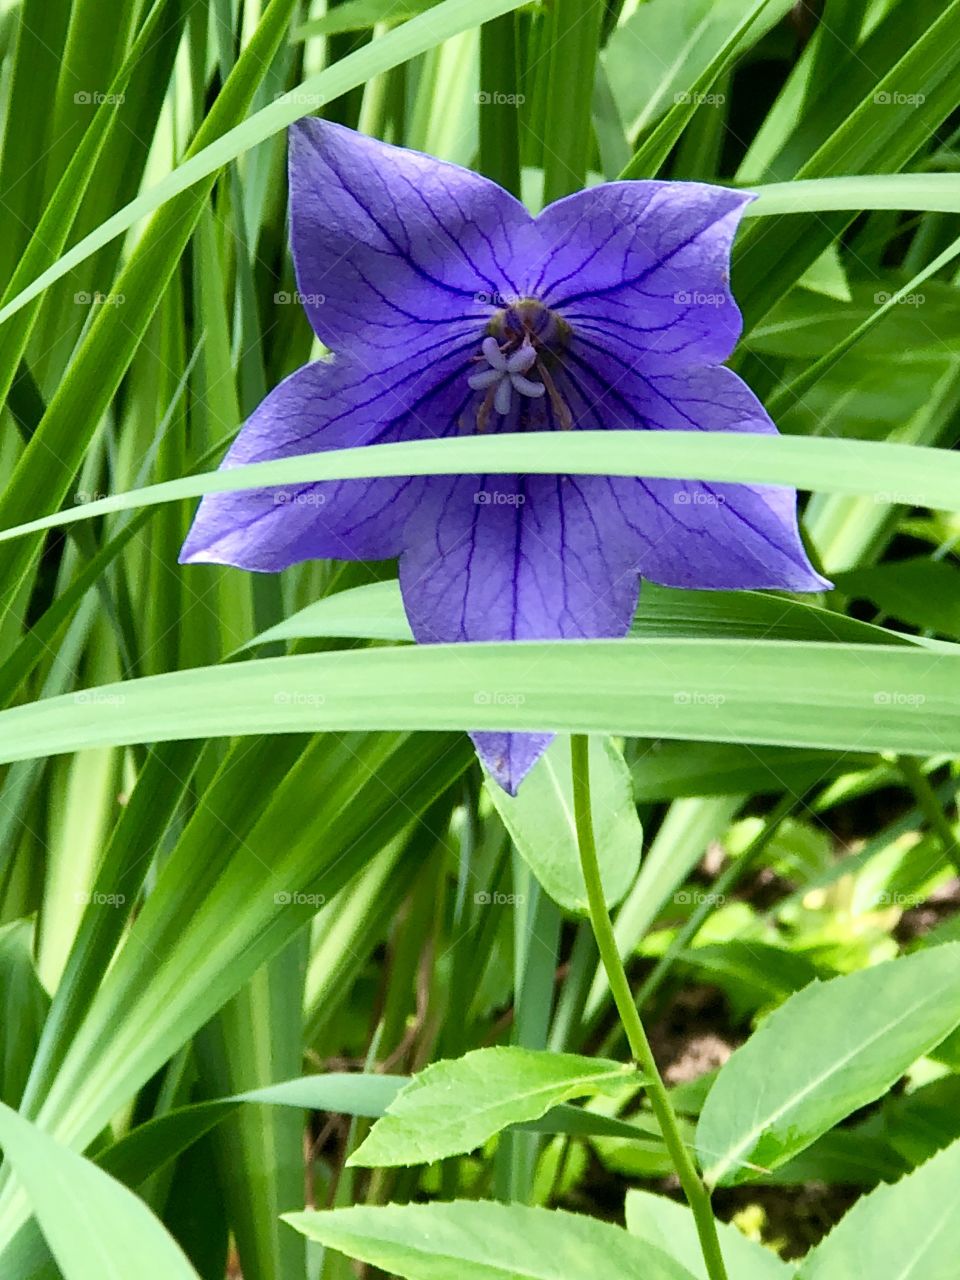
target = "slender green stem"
x: 926, y: 798
x: 698, y: 1197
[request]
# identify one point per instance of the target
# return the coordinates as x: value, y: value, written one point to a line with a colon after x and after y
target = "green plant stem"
x: 926, y: 798
x: 698, y: 1197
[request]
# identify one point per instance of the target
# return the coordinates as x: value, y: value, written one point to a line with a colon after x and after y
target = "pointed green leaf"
x: 660, y: 1221
x: 481, y: 1240
x: 24, y: 1005
x: 93, y: 1225
x: 452, y: 1107
x: 908, y: 1231
x: 540, y: 821
x: 829, y: 1050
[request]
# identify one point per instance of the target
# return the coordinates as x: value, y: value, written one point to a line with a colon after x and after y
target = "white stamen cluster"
x: 506, y: 374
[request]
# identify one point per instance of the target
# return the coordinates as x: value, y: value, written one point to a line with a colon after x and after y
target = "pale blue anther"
x: 506, y: 373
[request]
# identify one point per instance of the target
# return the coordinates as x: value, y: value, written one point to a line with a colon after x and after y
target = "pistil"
x: 505, y: 375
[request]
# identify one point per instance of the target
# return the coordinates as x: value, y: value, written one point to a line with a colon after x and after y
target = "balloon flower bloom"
x: 449, y: 309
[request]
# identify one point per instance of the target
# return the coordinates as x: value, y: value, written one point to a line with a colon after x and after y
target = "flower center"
x: 528, y: 319
x: 525, y: 337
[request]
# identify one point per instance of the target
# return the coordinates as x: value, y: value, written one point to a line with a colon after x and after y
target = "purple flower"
x: 450, y: 310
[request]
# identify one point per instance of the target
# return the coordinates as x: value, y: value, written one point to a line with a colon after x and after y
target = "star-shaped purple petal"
x: 451, y: 310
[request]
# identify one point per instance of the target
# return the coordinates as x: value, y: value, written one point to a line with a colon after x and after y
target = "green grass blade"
x: 847, y: 697
x: 909, y: 474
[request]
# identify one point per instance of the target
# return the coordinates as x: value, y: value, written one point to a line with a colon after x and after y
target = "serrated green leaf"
x: 453, y: 1106
x: 481, y: 1240
x: 830, y: 1049
x: 908, y: 1231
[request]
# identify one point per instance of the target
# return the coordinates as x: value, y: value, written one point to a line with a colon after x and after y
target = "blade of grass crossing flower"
x: 931, y: 476
x: 374, y: 611
x: 850, y: 697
